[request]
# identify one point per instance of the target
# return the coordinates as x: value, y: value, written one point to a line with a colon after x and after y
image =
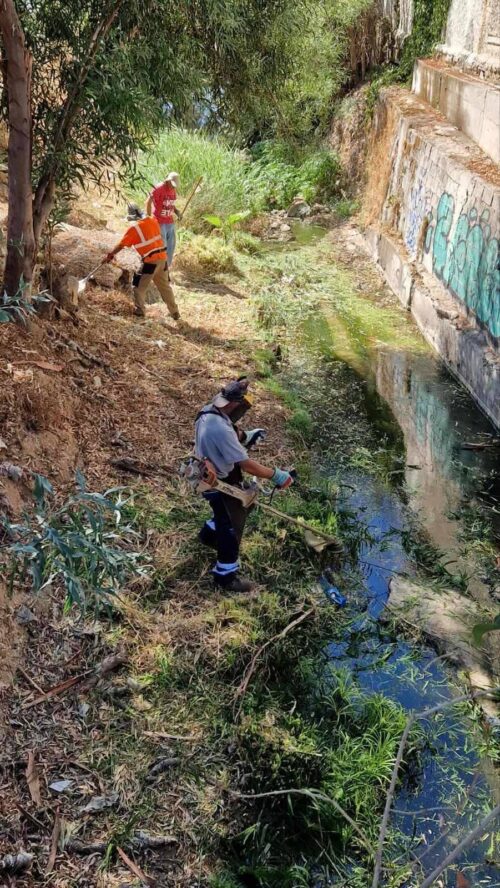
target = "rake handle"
x: 192, y: 194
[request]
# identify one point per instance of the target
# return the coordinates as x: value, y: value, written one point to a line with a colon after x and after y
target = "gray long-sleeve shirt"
x: 217, y: 441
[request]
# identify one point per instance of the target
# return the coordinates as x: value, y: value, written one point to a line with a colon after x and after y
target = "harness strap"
x: 214, y: 412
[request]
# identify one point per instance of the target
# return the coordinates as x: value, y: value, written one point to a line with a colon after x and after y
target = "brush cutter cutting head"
x: 319, y: 544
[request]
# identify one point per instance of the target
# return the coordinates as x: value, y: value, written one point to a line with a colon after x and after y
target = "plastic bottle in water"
x: 332, y: 593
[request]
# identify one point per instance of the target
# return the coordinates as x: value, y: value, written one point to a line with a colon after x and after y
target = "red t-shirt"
x: 164, y: 197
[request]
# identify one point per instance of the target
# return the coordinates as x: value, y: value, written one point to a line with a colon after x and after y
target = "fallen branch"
x: 30, y: 680
x: 12, y: 864
x: 56, y: 831
x: 133, y: 867
x: 462, y: 846
x: 242, y: 689
x: 412, y: 718
x: 138, y: 467
x: 315, y: 795
x: 160, y: 768
x: 87, y: 355
x: 93, y: 675
x: 140, y: 842
x: 161, y: 735
x: 58, y: 689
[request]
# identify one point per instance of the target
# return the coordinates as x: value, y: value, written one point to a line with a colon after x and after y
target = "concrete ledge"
x: 438, y: 194
x: 462, y: 346
x: 471, y: 104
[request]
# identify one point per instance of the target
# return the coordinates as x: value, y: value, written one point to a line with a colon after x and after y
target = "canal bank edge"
x: 431, y: 204
x: 462, y: 346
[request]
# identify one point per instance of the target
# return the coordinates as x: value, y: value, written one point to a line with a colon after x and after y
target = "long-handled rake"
x: 77, y: 286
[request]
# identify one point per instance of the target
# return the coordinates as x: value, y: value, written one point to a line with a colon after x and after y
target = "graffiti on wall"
x: 418, y: 209
x: 465, y: 257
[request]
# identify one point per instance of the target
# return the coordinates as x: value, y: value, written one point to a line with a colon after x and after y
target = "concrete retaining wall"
x: 473, y: 33
x: 432, y: 204
x: 462, y: 346
x: 471, y: 104
x: 443, y: 199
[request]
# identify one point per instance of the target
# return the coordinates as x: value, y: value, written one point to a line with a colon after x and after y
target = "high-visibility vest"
x: 145, y: 237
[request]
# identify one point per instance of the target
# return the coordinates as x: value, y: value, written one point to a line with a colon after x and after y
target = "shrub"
x: 345, y: 208
x: 81, y: 544
x: 200, y: 256
x: 17, y: 309
x: 278, y: 174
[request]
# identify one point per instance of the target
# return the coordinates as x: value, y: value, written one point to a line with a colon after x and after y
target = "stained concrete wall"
x: 432, y: 204
x: 473, y: 33
x: 443, y: 199
x: 473, y: 105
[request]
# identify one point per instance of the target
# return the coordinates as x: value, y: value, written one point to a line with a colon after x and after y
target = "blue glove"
x: 282, y: 479
x: 252, y: 437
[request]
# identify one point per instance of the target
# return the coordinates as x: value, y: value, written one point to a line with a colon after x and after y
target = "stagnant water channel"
x: 390, y: 425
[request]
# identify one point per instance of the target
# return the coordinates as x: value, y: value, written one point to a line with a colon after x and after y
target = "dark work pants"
x: 224, y: 533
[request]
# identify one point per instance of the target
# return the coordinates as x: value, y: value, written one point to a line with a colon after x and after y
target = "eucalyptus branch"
x: 413, y: 717
x: 471, y: 837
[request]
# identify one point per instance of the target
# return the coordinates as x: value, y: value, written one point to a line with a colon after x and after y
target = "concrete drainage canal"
x: 415, y: 470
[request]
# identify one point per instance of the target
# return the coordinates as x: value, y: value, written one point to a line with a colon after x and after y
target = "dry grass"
x: 133, y: 389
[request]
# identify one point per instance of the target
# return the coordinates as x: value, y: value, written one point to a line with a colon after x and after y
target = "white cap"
x: 175, y: 179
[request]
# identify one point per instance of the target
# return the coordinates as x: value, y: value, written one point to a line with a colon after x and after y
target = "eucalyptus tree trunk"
x: 17, y: 63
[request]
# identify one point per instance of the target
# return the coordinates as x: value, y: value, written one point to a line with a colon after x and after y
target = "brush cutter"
x: 203, y: 478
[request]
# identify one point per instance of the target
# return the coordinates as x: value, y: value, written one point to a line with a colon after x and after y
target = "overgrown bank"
x: 214, y: 701
x: 253, y: 711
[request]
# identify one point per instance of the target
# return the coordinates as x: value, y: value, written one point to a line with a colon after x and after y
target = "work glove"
x: 282, y: 479
x: 253, y: 436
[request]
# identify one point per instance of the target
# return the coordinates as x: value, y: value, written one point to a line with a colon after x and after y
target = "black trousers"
x: 224, y: 532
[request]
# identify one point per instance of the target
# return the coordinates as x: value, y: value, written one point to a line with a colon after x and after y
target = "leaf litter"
x: 144, y: 407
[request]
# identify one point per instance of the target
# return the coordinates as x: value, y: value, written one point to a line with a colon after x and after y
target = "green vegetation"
x: 226, y: 226
x: 192, y: 155
x: 428, y: 26
x: 81, y: 545
x: 236, y: 182
x: 17, y: 309
x: 293, y: 722
x: 279, y: 172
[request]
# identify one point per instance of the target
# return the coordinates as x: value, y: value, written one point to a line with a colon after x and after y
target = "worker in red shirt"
x: 162, y: 202
x: 144, y: 236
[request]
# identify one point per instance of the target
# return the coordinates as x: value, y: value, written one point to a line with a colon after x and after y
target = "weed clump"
x: 201, y: 256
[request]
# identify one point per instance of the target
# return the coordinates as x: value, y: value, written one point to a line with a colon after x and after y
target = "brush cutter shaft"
x: 298, y: 523
x: 202, y: 475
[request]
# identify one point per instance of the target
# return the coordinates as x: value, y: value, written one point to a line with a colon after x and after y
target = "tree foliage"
x: 104, y: 76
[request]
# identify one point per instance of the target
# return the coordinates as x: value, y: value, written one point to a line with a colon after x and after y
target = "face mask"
x: 240, y: 410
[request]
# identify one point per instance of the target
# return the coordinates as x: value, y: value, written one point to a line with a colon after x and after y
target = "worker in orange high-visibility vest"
x: 144, y: 236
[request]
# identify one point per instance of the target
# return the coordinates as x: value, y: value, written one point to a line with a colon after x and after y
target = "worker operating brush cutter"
x: 224, y: 447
